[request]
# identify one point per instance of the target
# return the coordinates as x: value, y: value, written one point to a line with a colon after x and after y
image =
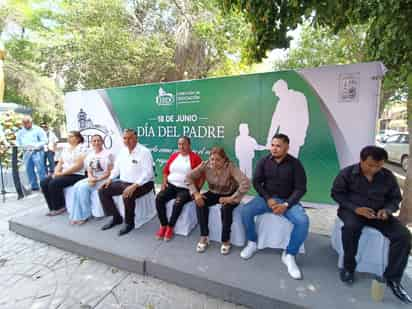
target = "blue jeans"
x: 34, y: 160
x: 295, y: 214
x: 49, y: 162
x: 82, y: 204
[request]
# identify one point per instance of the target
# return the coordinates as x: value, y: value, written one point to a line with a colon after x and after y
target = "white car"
x: 383, y: 135
x: 397, y: 146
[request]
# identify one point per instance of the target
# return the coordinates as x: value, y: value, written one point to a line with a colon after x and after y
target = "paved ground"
x: 396, y: 168
x: 35, y: 275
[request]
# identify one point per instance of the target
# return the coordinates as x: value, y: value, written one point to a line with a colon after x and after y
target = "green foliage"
x: 27, y: 87
x: 388, y: 36
x: 387, y: 33
x: 319, y: 46
x: 105, y: 43
x: 270, y: 21
x: 10, y: 123
x: 25, y: 83
x: 89, y: 44
x: 205, y: 42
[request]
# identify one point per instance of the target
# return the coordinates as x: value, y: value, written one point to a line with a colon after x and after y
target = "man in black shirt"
x: 280, y: 181
x: 368, y: 194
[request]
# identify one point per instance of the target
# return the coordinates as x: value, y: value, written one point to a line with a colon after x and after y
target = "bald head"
x: 27, y: 122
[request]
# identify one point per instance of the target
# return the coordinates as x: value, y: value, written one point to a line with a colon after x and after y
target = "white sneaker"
x: 293, y: 269
x: 249, y: 250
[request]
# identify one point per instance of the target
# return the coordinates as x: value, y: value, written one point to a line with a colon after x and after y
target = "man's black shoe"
x: 347, y: 276
x: 399, y: 291
x: 126, y: 229
x: 111, y: 224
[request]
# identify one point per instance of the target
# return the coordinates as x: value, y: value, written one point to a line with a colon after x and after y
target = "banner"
x: 329, y: 114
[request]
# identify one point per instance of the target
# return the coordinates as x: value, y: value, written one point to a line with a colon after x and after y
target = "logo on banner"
x: 349, y: 88
x: 88, y: 128
x: 164, y: 98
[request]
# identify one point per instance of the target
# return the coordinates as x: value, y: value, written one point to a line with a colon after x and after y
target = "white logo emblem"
x: 164, y: 98
x: 87, y: 128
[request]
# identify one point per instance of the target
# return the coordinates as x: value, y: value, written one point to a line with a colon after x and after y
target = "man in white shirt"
x: 49, y: 149
x: 134, y: 165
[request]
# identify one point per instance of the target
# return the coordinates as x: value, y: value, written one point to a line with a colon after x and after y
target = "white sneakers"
x: 249, y: 250
x: 293, y: 269
x: 287, y: 259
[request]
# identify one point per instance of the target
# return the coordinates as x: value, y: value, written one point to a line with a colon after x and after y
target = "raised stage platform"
x: 261, y: 282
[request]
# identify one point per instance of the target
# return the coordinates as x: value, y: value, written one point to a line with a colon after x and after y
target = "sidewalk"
x: 34, y: 275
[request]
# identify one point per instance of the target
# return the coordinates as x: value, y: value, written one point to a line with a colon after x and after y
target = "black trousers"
x: 52, y: 189
x: 398, y: 235
x: 182, y: 196
x: 226, y: 215
x: 117, y: 188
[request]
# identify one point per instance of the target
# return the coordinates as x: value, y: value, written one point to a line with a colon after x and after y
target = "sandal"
x: 57, y: 212
x: 202, y: 246
x: 225, y: 249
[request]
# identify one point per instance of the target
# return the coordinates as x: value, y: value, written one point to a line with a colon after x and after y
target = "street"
x: 396, y: 169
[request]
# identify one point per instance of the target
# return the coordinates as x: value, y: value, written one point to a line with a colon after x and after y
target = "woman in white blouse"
x: 68, y: 171
x: 99, y: 164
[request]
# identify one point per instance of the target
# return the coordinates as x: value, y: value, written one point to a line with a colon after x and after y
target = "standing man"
x: 49, y: 149
x: 280, y: 180
x: 134, y: 165
x: 368, y: 195
x: 32, y: 140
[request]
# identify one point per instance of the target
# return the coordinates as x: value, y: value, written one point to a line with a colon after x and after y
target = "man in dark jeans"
x: 134, y: 165
x: 368, y: 194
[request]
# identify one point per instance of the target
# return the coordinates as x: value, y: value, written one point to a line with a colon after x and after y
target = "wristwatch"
x: 287, y: 204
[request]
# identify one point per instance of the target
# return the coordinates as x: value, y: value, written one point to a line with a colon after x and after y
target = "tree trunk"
x: 406, y: 209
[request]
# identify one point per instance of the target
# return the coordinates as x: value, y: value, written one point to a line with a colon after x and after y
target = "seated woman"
x: 174, y: 186
x: 67, y: 172
x: 227, y: 186
x: 99, y: 163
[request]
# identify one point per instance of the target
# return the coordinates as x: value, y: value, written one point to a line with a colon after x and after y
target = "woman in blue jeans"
x: 99, y: 164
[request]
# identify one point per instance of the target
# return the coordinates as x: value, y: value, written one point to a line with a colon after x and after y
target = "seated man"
x: 368, y: 194
x: 280, y: 180
x: 134, y: 165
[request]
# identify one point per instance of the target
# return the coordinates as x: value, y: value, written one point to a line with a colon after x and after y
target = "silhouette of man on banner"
x: 291, y: 117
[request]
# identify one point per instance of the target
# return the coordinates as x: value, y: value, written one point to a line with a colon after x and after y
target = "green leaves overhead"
x: 388, y: 31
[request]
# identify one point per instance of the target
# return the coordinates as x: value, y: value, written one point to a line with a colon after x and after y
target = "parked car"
x: 397, y: 146
x: 383, y: 135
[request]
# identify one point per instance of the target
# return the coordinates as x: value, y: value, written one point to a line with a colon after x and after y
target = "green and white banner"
x: 329, y: 114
